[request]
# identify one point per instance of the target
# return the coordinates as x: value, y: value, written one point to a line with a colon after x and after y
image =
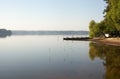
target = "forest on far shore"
x: 4, y: 32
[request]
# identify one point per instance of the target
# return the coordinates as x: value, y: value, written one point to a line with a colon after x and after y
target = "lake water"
x: 51, y: 57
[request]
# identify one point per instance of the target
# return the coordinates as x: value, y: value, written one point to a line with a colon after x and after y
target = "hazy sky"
x: 49, y: 14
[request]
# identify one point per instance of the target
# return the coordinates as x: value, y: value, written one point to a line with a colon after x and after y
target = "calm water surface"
x: 50, y: 57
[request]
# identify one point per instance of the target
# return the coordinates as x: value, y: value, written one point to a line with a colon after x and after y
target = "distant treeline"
x: 5, y: 33
x: 50, y: 33
x: 111, y: 22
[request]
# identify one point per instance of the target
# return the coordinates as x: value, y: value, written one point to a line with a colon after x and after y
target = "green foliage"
x: 113, y: 13
x: 111, y: 22
x: 91, y: 27
x: 96, y: 29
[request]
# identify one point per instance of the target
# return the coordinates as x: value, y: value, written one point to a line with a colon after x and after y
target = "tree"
x: 113, y: 13
x: 111, y: 22
x: 97, y: 29
x: 91, y: 27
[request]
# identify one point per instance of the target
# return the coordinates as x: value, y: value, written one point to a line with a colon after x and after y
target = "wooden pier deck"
x: 77, y: 38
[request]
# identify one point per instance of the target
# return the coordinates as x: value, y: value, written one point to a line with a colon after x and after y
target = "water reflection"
x: 46, y: 57
x: 111, y: 57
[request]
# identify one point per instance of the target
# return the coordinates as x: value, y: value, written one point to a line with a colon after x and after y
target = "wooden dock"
x: 77, y: 38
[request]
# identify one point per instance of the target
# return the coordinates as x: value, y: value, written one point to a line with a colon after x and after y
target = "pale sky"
x: 49, y: 14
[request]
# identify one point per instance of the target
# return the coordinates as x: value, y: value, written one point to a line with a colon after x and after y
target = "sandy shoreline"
x: 108, y: 41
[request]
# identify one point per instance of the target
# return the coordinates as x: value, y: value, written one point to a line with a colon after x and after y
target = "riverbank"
x: 108, y: 41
